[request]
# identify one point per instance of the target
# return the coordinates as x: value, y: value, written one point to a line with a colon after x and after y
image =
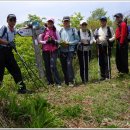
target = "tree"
x: 96, y: 14
x: 75, y: 20
x: 93, y: 20
x: 31, y: 18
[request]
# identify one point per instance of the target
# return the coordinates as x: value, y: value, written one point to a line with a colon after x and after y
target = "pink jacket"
x: 44, y: 37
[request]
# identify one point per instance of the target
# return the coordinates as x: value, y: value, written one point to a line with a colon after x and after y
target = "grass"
x: 103, y: 104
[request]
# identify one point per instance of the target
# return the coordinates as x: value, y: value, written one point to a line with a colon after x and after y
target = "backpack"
x: 4, y: 32
x: 128, y: 29
x: 89, y: 33
x: 128, y: 36
x: 73, y: 34
x: 109, y: 36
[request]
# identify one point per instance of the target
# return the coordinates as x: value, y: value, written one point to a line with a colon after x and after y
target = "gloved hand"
x: 12, y: 45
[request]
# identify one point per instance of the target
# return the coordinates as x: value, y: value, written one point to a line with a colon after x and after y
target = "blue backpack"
x: 128, y: 37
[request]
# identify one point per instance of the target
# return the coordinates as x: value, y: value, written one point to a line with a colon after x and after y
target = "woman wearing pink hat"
x: 49, y: 40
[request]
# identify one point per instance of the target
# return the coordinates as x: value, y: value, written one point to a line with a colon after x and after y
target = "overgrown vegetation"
x: 103, y: 104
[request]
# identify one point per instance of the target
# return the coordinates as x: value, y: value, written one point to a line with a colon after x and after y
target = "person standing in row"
x: 7, y: 36
x: 69, y: 40
x: 121, y: 44
x: 50, y: 40
x: 86, y: 39
x: 104, y: 37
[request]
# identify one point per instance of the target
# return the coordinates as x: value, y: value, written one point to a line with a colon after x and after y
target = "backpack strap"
x: 89, y: 33
x: 61, y: 31
x: 109, y: 32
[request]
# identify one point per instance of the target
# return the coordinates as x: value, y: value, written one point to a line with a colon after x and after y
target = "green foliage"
x: 97, y: 13
x: 75, y: 20
x: 72, y: 111
x: 34, y: 112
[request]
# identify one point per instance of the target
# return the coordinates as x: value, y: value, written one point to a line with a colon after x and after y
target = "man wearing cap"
x: 7, y: 35
x: 104, y: 37
x: 69, y: 40
x: 86, y: 39
x: 121, y: 44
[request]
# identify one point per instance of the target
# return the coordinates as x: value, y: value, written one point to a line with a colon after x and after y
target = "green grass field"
x: 103, y: 104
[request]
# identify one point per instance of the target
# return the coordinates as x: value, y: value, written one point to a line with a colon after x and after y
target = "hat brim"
x: 66, y: 20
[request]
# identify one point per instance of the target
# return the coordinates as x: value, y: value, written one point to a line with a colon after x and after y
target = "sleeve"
x: 40, y: 39
x: 92, y: 38
x: 123, y: 32
x: 1, y: 31
x: 58, y: 36
x: 113, y: 35
x: 76, y: 40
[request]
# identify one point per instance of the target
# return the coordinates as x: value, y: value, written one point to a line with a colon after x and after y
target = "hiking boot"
x: 101, y: 79
x: 24, y: 91
x: 71, y: 85
x: 58, y: 85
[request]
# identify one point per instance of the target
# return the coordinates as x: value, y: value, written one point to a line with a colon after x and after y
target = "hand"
x: 12, y: 45
x: 64, y: 43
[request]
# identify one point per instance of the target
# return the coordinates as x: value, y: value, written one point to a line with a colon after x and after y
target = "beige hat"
x: 83, y: 21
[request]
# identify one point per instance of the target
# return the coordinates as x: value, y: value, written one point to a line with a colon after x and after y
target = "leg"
x: 2, y: 65
x: 63, y: 60
x: 70, y: 71
x: 124, y: 58
x: 101, y: 61
x: 81, y: 64
x: 54, y: 68
x: 14, y: 69
x: 46, y: 58
x: 118, y: 62
x: 86, y: 65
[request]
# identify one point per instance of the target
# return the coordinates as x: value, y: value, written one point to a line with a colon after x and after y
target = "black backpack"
x: 4, y: 32
x: 89, y: 33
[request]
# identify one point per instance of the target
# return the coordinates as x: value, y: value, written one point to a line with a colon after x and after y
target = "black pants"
x: 50, y: 67
x: 7, y: 60
x: 103, y: 61
x: 83, y: 62
x: 66, y: 59
x: 122, y: 57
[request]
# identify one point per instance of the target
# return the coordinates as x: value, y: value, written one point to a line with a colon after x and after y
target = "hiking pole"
x: 98, y: 64
x: 88, y: 63
x: 84, y: 65
x: 108, y: 61
x: 25, y: 64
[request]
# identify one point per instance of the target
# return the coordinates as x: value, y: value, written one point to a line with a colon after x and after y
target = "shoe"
x: 101, y: 79
x: 59, y: 86
x: 24, y: 91
x: 71, y: 85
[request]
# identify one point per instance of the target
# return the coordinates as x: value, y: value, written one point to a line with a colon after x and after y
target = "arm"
x: 91, y: 38
x: 2, y: 41
x: 76, y: 40
x: 123, y: 33
x: 113, y: 35
x: 40, y: 39
x: 58, y: 36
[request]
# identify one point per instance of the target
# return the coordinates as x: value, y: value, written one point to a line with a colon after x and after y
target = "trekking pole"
x: 27, y: 67
x: 108, y: 59
x: 98, y: 64
x: 84, y: 65
x: 88, y: 63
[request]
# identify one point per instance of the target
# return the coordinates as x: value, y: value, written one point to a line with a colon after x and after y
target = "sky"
x: 57, y: 9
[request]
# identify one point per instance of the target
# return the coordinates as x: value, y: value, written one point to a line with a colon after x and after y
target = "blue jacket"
x: 69, y: 35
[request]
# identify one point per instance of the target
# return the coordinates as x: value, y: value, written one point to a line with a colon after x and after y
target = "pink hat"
x: 50, y: 19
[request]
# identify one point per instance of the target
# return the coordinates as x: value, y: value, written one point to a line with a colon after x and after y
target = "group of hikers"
x: 65, y: 44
